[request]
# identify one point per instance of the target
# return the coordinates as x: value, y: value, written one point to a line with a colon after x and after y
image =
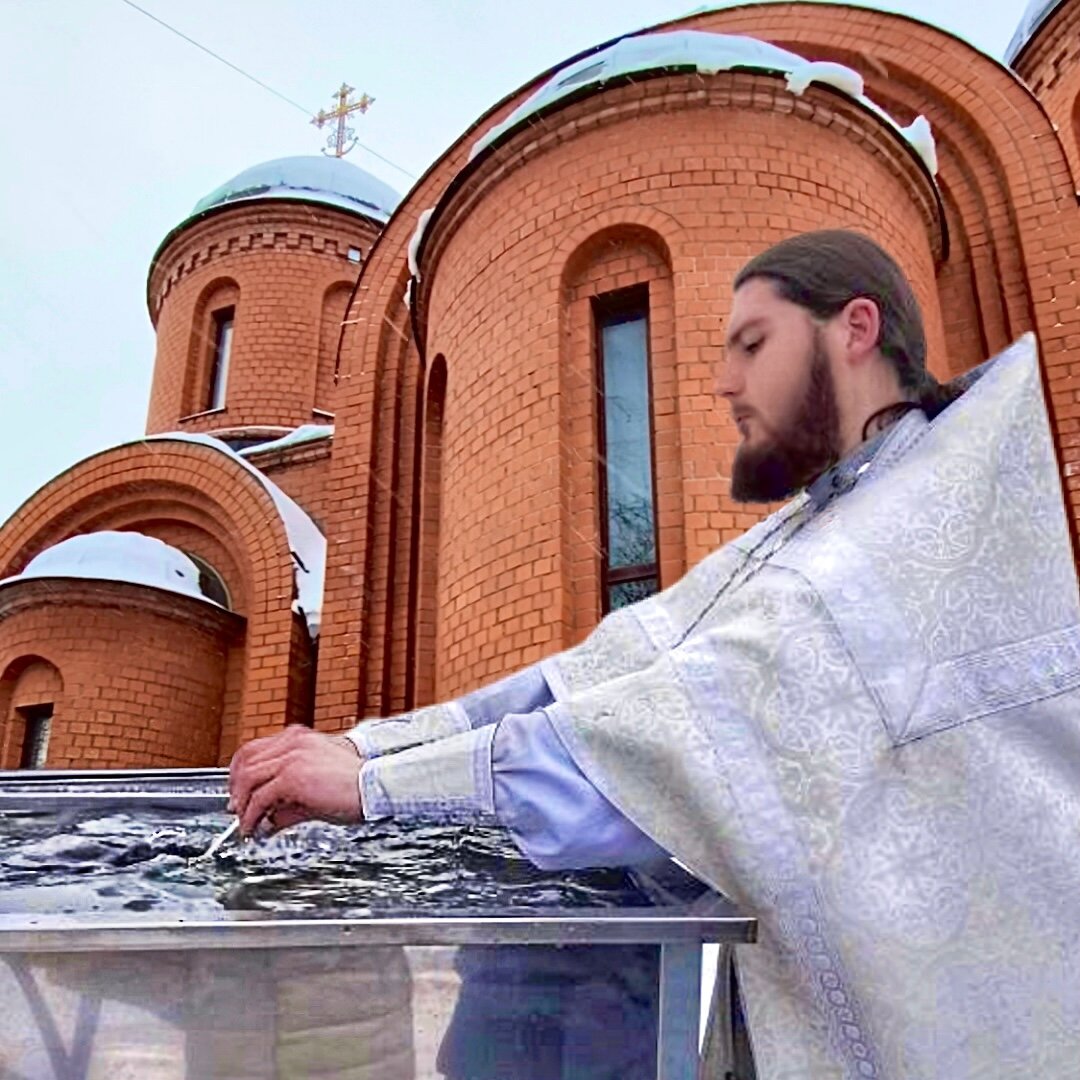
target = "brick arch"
x: 27, y: 680
x: 199, y: 484
x: 617, y: 249
x: 424, y: 623
x: 378, y: 358
x: 1050, y: 65
x: 222, y: 292
x: 659, y: 230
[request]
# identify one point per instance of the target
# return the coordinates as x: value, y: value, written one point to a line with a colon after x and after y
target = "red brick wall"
x: 1009, y: 199
x: 285, y: 266
x: 140, y: 674
x: 655, y: 180
x: 1050, y: 65
x: 302, y: 471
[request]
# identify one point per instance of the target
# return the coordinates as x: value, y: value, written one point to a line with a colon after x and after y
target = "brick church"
x: 397, y: 447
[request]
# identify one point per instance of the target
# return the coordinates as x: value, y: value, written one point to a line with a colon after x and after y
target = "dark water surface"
x: 95, y: 860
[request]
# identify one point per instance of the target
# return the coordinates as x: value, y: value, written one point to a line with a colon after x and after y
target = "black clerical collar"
x: 845, y: 474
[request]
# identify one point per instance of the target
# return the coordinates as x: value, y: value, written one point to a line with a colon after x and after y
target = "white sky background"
x: 111, y: 128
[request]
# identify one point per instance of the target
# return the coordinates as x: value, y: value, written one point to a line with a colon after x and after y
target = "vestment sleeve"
x: 516, y: 773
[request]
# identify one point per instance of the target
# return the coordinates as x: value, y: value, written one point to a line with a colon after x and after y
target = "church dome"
x: 1038, y: 11
x: 119, y: 556
x: 329, y: 180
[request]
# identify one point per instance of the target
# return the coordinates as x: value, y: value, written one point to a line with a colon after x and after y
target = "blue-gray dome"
x: 1038, y: 11
x: 321, y: 179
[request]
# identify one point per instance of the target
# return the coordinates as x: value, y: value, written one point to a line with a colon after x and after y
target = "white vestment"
x: 862, y: 723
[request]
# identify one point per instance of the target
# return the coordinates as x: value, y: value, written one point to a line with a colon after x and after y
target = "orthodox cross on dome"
x: 337, y: 139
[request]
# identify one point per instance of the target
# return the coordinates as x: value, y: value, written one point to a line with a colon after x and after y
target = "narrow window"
x: 627, y: 504
x: 219, y: 361
x: 37, y: 720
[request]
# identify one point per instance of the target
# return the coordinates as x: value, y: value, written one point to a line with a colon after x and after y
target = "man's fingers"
x: 254, y: 777
x: 252, y: 760
x: 263, y: 799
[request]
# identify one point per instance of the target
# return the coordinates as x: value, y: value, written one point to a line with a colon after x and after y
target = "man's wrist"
x: 345, y: 740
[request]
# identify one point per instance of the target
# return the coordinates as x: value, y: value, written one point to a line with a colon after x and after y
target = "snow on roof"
x: 1036, y: 13
x: 303, y: 434
x: 329, y: 180
x: 707, y: 53
x: 306, y: 542
x: 118, y: 556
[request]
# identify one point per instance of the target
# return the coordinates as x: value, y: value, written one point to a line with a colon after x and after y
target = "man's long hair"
x: 824, y: 271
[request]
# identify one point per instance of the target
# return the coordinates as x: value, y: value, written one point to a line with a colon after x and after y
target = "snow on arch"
x: 306, y: 542
x: 707, y: 53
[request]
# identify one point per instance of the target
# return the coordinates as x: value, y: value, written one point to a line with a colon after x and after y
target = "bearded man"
x: 860, y: 720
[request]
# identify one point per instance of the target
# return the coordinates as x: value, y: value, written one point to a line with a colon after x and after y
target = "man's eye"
x: 752, y: 347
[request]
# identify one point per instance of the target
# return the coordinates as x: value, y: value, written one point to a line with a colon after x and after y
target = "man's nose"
x: 727, y: 382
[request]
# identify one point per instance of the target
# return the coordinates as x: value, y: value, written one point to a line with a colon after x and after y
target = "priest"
x: 860, y: 720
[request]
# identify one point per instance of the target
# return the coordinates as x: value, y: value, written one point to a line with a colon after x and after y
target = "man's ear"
x: 860, y: 326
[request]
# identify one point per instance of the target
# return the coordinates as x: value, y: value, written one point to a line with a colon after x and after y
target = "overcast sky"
x: 111, y: 128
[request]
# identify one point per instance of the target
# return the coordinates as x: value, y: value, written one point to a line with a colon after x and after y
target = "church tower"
x: 248, y: 294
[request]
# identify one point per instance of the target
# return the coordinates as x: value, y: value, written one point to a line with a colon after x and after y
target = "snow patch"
x: 303, y: 434
x: 921, y: 138
x: 118, y: 556
x: 838, y: 76
x: 417, y: 240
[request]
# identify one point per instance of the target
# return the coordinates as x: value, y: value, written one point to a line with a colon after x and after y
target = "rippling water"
x: 93, y: 861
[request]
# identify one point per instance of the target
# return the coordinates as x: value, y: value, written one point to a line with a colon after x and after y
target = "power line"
x: 258, y: 82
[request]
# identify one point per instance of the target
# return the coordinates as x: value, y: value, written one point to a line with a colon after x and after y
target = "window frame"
x: 218, y: 374
x: 36, y: 719
x: 611, y: 309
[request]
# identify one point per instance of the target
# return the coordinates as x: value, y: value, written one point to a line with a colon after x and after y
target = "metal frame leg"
x: 680, y: 1012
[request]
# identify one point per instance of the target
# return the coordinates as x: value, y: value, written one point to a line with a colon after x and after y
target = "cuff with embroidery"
x: 373, y: 738
x: 449, y: 780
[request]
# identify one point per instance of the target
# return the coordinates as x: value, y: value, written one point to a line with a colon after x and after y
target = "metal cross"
x: 337, y: 139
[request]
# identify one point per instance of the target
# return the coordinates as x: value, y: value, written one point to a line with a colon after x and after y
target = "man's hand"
x: 296, y: 775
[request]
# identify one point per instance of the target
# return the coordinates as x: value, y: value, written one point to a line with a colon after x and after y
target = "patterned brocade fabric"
x: 373, y: 738
x: 870, y: 742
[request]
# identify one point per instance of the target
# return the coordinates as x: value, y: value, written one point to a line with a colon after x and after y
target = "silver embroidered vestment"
x: 863, y: 724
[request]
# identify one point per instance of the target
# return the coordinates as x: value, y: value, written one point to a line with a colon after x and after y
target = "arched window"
x: 619, y: 424
x: 210, y: 355
x: 211, y: 584
x: 29, y: 691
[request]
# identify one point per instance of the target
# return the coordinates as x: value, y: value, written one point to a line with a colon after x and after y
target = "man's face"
x: 778, y: 382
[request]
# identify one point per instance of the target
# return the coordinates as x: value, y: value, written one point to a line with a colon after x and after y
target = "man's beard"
x: 803, y: 447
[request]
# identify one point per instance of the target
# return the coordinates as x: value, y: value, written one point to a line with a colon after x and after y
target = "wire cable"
x: 309, y: 113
